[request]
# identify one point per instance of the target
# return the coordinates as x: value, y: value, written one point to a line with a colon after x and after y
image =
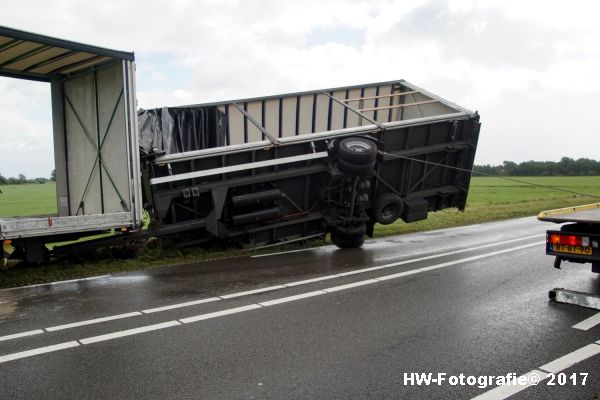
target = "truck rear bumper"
x: 19, y: 228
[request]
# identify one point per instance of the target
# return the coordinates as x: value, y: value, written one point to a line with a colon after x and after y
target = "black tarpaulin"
x: 177, y: 130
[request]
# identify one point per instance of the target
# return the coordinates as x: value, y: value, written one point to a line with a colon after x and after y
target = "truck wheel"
x: 357, y: 151
x: 36, y: 253
x: 355, y: 169
x: 388, y: 208
x: 349, y: 237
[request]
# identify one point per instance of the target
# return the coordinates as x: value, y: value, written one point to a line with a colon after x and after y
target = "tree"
x: 53, y: 175
x: 22, y: 178
x: 565, y: 167
x: 508, y: 167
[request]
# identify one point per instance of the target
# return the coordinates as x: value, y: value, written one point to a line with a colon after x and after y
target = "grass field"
x: 26, y: 200
x: 490, y: 199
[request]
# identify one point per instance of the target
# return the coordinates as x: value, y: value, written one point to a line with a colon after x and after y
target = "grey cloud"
x: 489, y: 37
x: 341, y: 34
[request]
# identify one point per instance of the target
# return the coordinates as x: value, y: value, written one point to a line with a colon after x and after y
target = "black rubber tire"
x: 357, y: 151
x: 349, y: 237
x: 355, y: 169
x: 388, y: 208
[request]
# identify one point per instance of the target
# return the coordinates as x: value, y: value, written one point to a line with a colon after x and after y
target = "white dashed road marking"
x: 589, y: 323
x: 93, y: 321
x: 20, y: 335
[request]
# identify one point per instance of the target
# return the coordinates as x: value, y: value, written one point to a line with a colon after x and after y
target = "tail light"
x: 568, y: 240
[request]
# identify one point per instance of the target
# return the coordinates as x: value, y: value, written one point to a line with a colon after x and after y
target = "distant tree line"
x: 22, y: 179
x: 565, y: 167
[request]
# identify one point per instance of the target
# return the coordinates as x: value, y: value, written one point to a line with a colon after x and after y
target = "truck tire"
x: 357, y: 151
x: 348, y: 237
x: 388, y: 208
x: 355, y: 169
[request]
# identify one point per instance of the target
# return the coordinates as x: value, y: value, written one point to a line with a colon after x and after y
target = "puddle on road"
x: 7, y: 308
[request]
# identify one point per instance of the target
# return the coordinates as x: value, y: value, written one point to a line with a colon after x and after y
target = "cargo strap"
x: 98, y: 148
x: 472, y: 171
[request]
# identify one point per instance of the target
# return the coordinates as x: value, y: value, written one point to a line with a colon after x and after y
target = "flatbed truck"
x: 577, y: 241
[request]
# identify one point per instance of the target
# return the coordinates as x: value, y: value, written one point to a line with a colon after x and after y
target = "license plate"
x: 563, y: 248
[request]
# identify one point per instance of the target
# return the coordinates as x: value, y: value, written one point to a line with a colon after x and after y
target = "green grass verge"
x: 490, y: 199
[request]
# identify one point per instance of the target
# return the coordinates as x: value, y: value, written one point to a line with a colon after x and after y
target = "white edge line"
x: 454, y: 228
x: 588, y: 323
x: 459, y: 251
x: 505, y: 391
x: 248, y: 292
x: 350, y: 285
x: 128, y: 332
x: 291, y: 298
x: 93, y: 321
x: 56, y: 283
x: 180, y: 305
x: 572, y: 358
x: 360, y: 271
x: 39, y: 350
x: 304, y: 282
x: 286, y: 252
x: 22, y: 334
x: 217, y: 314
x: 398, y: 275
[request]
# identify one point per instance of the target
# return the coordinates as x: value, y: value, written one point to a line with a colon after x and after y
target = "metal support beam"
x: 382, y: 96
x: 260, y: 127
x: 418, y: 103
x: 354, y: 110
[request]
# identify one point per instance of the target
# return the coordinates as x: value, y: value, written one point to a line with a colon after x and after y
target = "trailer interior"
x: 94, y: 135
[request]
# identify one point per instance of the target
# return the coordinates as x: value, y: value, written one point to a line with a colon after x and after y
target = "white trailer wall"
x: 96, y: 142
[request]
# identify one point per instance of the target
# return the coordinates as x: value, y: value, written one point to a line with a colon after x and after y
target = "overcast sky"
x: 531, y: 69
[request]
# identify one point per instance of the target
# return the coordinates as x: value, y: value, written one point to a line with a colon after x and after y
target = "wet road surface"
x: 319, y: 323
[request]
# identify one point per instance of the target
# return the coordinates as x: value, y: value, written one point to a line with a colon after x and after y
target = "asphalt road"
x: 317, y: 324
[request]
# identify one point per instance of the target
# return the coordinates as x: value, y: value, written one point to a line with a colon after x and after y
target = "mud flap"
x: 7, y: 250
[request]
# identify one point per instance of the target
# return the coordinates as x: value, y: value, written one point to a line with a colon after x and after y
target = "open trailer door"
x: 95, y: 137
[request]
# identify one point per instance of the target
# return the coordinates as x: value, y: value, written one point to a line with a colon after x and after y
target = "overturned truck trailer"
x: 282, y: 168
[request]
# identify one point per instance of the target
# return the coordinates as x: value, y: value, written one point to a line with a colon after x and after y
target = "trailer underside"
x: 298, y: 186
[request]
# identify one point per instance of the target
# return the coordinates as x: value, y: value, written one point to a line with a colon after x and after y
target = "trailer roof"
x: 31, y: 56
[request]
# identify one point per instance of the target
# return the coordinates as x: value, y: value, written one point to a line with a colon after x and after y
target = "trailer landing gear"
x: 588, y: 300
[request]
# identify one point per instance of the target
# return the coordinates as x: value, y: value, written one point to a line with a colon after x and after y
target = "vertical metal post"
x: 245, y: 122
x: 376, y: 102
x: 227, y: 133
x: 314, y: 113
x: 280, y: 119
x: 99, y: 140
x: 329, y: 111
x: 345, y: 124
x: 297, y: 115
